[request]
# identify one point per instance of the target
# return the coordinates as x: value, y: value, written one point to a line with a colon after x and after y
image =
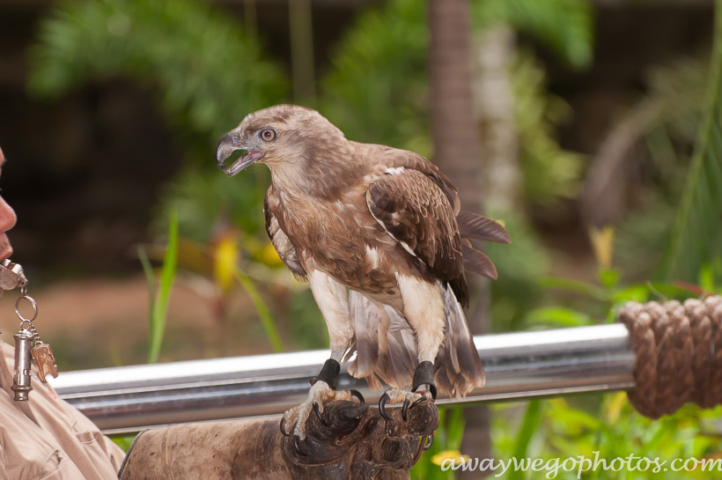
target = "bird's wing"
x: 415, y: 211
x: 278, y: 237
x: 395, y: 159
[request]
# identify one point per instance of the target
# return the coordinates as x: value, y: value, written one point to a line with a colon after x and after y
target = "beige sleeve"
x: 47, y: 438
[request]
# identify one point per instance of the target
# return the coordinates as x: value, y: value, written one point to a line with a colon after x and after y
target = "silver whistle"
x: 11, y: 275
x: 23, y: 363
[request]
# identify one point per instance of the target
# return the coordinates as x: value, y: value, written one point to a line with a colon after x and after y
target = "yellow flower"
x: 615, y: 403
x: 226, y: 262
x: 270, y: 256
x: 454, y: 455
x: 603, y: 244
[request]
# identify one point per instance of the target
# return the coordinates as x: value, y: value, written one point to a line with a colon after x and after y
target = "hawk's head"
x: 276, y: 135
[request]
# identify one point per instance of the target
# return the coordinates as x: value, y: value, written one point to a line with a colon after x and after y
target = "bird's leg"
x: 422, y: 389
x: 332, y: 300
x: 322, y: 391
x: 424, y: 310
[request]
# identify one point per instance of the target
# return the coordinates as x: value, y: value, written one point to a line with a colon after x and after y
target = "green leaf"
x: 634, y: 293
x: 529, y: 426
x: 609, y: 277
x: 575, y: 286
x: 565, y: 26
x: 559, y: 317
x: 706, y: 278
x: 263, y: 313
x: 696, y: 233
x: 160, y: 307
x: 150, y: 279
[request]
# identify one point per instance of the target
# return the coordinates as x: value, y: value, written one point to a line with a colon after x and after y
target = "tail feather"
x: 460, y: 349
x: 476, y: 262
x: 472, y: 225
x: 385, y: 348
x: 366, y: 339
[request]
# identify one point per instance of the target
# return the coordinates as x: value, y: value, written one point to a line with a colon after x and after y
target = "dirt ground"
x: 100, y: 323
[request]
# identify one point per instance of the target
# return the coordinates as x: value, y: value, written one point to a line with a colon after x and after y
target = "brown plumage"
x: 385, y: 223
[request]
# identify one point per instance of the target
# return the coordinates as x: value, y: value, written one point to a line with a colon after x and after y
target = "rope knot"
x: 678, y: 354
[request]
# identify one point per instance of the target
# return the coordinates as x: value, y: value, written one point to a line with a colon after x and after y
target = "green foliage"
x: 564, y: 26
x: 609, y: 425
x: 269, y: 326
x: 377, y: 89
x: 202, y: 196
x: 599, y: 301
x: 521, y: 265
x: 696, y: 234
x: 550, y: 172
x: 447, y: 443
x: 666, y: 121
x: 158, y: 301
x: 672, y: 115
x: 644, y: 233
x: 124, y: 441
x: 529, y: 426
x: 305, y: 328
x: 208, y: 73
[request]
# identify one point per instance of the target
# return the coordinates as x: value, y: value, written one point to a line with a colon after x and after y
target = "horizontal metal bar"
x: 518, y: 365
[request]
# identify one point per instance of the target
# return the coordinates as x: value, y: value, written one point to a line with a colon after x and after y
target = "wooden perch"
x: 355, y: 443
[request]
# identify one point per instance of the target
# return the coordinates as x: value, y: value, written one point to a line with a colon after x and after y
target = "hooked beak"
x: 225, y: 149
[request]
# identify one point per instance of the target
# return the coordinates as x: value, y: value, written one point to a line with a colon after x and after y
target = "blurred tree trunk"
x: 302, y: 64
x: 494, y: 107
x: 457, y: 151
x: 453, y: 129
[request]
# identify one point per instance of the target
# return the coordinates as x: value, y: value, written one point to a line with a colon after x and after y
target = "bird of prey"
x: 380, y: 237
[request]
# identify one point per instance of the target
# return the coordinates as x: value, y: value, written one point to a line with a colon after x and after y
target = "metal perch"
x: 518, y: 365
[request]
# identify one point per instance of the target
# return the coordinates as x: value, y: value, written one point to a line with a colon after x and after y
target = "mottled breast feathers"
x: 279, y: 239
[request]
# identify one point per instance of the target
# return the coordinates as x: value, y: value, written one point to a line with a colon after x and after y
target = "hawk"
x: 380, y: 237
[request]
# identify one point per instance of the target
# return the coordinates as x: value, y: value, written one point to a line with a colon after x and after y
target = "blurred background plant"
x: 604, y: 167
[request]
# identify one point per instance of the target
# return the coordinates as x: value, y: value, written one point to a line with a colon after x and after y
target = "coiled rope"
x: 678, y: 350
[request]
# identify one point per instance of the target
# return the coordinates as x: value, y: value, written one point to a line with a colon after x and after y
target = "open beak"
x: 225, y: 149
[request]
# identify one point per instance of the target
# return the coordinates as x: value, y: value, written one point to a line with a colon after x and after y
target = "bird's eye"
x: 268, y: 134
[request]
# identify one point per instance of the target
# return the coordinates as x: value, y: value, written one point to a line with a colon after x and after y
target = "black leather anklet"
x: 329, y: 372
x: 424, y: 375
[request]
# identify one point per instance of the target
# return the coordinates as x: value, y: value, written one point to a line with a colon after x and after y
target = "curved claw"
x: 357, y: 394
x: 382, y: 405
x: 430, y: 443
x: 317, y: 411
x: 417, y: 402
x: 297, y: 446
x: 431, y: 390
x: 283, y: 428
x: 405, y: 408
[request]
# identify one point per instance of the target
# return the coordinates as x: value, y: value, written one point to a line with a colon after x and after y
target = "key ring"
x: 24, y: 320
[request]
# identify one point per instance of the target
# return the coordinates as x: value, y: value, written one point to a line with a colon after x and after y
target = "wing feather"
x: 416, y: 212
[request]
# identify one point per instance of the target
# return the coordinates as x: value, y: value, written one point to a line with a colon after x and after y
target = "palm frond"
x: 696, y: 234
